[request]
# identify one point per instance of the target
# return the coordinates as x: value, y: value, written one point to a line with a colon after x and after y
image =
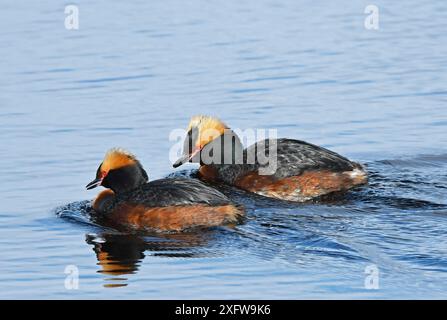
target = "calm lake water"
x: 310, y: 69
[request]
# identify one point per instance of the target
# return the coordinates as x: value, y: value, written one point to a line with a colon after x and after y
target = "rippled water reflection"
x: 133, y: 72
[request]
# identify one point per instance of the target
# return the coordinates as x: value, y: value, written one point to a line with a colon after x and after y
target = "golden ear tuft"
x: 207, y: 122
x: 209, y: 128
x: 117, y: 158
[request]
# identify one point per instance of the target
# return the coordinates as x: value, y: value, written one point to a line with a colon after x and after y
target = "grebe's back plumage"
x: 294, y: 157
x: 174, y: 192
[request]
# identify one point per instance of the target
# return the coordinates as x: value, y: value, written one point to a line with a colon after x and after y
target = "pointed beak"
x: 185, y: 158
x: 94, y: 183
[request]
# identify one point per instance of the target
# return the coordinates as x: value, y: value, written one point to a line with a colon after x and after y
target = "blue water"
x: 135, y: 71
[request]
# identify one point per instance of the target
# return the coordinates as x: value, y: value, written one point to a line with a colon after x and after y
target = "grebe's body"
x: 302, y: 171
x: 172, y: 204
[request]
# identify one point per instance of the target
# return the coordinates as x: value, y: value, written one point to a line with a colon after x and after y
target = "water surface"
x: 135, y: 71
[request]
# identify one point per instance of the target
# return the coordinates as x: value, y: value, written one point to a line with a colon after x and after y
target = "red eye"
x: 103, y: 174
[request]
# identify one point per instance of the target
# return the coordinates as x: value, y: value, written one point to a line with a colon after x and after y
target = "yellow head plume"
x: 209, y: 128
x: 117, y: 158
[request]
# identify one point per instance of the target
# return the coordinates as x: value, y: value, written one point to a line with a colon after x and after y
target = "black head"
x: 120, y: 171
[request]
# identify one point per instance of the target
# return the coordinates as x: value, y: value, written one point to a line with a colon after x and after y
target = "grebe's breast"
x: 104, y: 201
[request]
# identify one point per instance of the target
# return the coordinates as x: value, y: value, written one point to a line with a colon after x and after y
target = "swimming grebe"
x: 303, y: 171
x: 171, y: 204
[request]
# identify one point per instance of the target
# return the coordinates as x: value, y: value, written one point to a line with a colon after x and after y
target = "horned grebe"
x: 303, y: 171
x: 171, y: 204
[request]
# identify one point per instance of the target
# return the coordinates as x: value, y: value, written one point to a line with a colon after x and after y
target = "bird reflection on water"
x: 121, y: 254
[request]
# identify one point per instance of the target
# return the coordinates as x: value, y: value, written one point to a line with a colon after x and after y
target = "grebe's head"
x: 119, y: 171
x: 201, y: 131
